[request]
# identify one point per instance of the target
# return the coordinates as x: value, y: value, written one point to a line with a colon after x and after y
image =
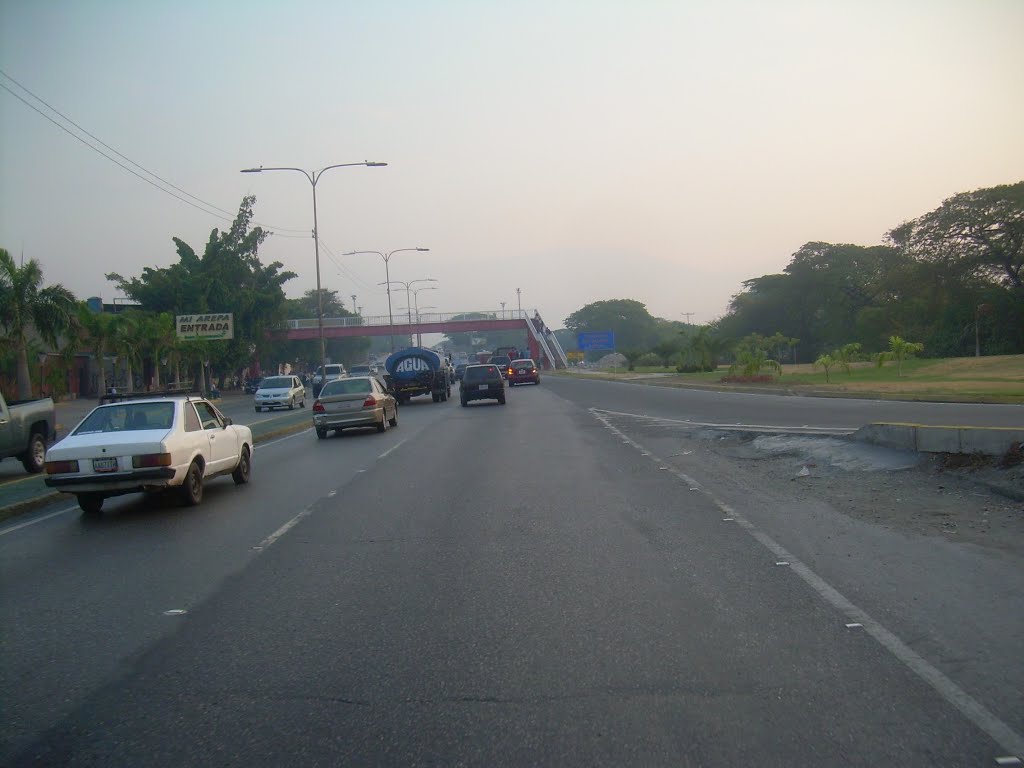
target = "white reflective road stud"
x: 175, y: 612
x: 854, y: 625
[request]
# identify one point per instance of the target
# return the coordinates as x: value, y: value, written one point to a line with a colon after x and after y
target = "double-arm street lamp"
x: 387, y: 281
x: 408, y: 286
x: 313, y: 177
x: 416, y: 299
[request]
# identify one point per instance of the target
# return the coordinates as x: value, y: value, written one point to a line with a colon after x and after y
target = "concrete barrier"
x: 990, y: 441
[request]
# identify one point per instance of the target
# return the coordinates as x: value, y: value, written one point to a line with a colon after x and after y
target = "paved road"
x: 493, y: 585
x: 781, y: 410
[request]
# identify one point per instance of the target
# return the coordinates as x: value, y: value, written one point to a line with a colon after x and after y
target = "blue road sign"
x: 595, y: 340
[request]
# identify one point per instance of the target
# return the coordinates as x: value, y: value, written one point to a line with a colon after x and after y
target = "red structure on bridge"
x: 543, y: 346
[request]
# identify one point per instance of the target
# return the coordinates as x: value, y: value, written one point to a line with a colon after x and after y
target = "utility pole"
x: 503, y: 310
x: 519, y: 300
x: 688, y: 315
x: 354, y: 303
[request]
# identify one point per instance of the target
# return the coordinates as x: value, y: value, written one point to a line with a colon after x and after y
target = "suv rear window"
x: 481, y: 373
x: 524, y: 363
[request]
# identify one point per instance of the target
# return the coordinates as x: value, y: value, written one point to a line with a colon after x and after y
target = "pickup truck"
x: 26, y: 428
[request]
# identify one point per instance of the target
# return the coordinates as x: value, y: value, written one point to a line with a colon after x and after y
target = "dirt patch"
x: 975, y: 501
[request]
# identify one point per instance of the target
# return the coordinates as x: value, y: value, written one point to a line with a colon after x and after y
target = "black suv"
x: 482, y: 382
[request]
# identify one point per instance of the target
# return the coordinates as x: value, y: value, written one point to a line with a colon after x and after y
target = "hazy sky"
x: 658, y: 151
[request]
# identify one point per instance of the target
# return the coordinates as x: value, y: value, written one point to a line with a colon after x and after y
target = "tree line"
x: 227, y: 276
x: 950, y: 282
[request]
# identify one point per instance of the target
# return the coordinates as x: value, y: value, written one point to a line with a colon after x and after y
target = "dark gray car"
x: 482, y: 382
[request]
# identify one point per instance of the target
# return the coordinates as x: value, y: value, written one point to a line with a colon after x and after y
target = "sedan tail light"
x: 370, y: 402
x: 151, y: 460
x: 318, y: 407
x: 61, y: 467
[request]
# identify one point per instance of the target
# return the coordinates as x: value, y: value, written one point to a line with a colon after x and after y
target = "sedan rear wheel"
x: 382, y: 426
x: 321, y: 433
x: 291, y: 404
x: 393, y: 421
x: 192, y: 488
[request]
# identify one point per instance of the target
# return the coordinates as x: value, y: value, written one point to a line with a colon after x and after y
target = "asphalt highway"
x: 517, y: 585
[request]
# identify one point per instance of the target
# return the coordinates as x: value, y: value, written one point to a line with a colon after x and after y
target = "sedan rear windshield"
x: 127, y: 417
x: 481, y: 372
x: 345, y: 387
x: 276, y: 382
x: 523, y: 364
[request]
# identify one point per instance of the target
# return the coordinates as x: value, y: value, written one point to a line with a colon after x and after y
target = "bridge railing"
x: 402, y: 318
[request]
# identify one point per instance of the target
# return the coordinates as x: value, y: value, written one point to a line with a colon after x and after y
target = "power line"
x: 230, y: 217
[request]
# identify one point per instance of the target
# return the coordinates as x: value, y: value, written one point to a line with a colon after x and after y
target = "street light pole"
x: 416, y: 298
x: 519, y: 298
x: 313, y: 177
x: 387, y: 278
x: 408, y: 301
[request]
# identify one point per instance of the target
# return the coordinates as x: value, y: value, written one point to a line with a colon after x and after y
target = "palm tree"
x: 127, y: 343
x: 97, y: 331
x: 24, y: 305
x: 158, y: 339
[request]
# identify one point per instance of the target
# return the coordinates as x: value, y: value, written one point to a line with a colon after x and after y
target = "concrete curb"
x: 989, y: 441
x: 21, y: 507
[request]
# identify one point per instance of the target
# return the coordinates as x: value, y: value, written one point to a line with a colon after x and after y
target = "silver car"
x: 359, y: 401
x: 280, y: 392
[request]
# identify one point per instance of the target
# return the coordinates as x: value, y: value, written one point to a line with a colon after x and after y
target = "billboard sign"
x: 213, y: 326
x: 595, y: 340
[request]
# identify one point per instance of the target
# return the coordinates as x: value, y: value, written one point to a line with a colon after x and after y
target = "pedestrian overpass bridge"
x: 543, y: 346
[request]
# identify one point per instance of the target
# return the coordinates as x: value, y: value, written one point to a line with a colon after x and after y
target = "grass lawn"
x: 997, y: 379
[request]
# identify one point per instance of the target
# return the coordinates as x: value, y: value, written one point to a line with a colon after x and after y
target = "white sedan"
x: 280, y: 392
x: 149, y: 445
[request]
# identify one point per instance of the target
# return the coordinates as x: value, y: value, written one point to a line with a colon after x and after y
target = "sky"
x: 578, y: 151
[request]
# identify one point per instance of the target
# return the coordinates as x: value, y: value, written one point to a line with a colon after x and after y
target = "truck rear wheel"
x: 35, y: 455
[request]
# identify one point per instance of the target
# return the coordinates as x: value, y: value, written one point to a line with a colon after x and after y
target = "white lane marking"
x: 175, y: 612
x: 968, y: 706
x: 687, y: 422
x: 263, y: 545
x: 282, y: 439
x: 394, y: 447
x: 19, y: 526
x: 782, y: 562
x: 1009, y: 760
x: 854, y: 625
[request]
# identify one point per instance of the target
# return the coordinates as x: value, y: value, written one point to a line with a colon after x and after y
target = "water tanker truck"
x: 417, y: 371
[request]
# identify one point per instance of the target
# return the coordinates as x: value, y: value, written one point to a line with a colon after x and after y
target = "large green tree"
x: 27, y: 306
x: 979, y: 233
x: 629, y: 320
x: 227, y: 277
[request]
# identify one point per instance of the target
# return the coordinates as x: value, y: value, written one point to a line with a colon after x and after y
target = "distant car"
x: 523, y: 372
x: 357, y: 401
x: 280, y: 392
x: 252, y: 385
x: 504, y: 363
x: 459, y: 370
x: 360, y: 370
x: 482, y: 382
x: 149, y: 445
x: 327, y: 373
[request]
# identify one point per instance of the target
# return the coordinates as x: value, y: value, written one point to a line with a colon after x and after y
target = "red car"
x: 523, y: 372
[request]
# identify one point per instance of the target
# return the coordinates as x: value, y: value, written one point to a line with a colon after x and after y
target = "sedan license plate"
x: 522, y: 370
x: 482, y: 386
x: 104, y: 465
